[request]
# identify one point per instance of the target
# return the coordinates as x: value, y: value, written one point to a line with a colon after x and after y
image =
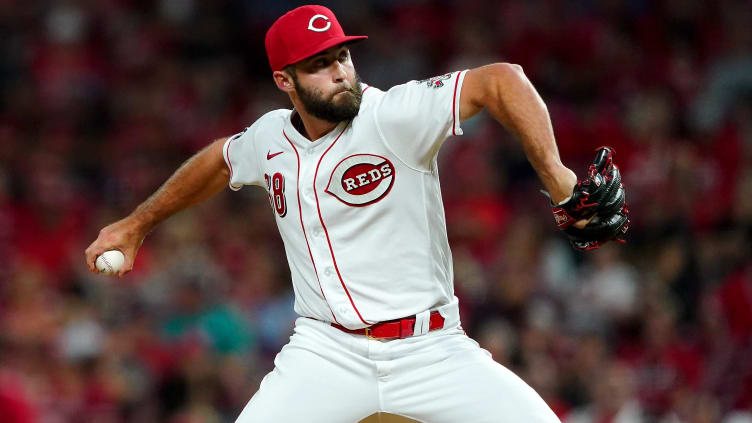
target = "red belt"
x: 395, y: 329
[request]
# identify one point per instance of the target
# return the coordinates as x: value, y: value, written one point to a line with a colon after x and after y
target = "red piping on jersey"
x: 300, y: 214
x: 364, y: 89
x: 227, y: 153
x: 327, y: 232
x: 454, y: 102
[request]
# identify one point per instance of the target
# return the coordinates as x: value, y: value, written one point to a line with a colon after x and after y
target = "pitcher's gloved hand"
x: 599, y: 197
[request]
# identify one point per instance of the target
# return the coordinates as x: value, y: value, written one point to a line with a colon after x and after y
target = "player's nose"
x: 338, y: 72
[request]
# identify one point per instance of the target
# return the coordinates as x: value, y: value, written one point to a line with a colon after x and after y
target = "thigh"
x: 455, y: 380
x: 316, y: 379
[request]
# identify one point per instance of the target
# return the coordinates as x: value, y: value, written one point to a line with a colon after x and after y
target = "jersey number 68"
x: 276, y: 187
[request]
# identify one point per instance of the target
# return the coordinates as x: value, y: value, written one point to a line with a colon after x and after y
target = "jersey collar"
x: 304, y: 143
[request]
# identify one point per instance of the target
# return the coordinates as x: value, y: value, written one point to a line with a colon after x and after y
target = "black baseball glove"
x: 599, y: 196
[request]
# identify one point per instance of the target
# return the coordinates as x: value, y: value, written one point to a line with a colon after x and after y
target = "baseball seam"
x: 107, y: 262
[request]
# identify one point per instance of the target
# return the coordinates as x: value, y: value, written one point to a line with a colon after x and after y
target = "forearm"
x: 513, y: 101
x: 199, y: 178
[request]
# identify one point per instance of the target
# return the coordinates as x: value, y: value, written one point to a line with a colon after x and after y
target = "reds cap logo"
x: 361, y: 179
x: 313, y: 20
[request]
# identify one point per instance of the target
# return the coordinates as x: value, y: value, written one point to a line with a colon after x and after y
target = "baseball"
x: 110, y: 262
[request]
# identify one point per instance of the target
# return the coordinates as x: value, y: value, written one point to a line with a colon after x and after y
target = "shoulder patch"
x: 436, y: 81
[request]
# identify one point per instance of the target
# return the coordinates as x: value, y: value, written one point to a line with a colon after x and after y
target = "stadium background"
x: 100, y: 100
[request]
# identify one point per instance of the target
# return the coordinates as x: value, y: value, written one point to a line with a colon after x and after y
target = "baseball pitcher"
x: 379, y: 328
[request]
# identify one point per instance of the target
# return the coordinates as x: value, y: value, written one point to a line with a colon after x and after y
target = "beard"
x: 327, y: 109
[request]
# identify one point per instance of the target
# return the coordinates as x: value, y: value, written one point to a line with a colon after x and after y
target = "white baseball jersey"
x: 360, y: 209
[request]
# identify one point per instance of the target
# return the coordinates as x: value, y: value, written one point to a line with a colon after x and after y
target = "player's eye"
x: 343, y: 57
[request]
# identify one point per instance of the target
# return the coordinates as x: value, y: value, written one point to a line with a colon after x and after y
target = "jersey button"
x: 317, y: 232
x: 329, y: 271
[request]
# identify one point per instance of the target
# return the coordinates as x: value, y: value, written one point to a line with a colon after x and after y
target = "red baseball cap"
x: 301, y: 33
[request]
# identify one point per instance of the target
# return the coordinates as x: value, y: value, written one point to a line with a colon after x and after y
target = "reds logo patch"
x: 436, y: 81
x: 361, y: 179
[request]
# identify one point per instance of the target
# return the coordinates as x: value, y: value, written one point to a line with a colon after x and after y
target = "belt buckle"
x: 368, y: 333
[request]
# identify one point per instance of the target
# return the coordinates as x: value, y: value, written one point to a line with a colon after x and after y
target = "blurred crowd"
x: 101, y: 100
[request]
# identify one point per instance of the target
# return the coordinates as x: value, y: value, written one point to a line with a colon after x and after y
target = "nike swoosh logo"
x: 270, y: 156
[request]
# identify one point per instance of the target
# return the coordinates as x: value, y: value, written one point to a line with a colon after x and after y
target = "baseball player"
x: 352, y: 180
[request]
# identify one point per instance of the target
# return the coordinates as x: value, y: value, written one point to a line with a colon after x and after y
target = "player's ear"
x: 284, y: 81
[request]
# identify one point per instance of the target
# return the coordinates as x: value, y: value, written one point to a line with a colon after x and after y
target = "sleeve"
x: 415, y: 118
x: 239, y: 153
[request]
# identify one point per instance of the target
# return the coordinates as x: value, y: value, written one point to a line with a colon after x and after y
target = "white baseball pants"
x: 325, y: 375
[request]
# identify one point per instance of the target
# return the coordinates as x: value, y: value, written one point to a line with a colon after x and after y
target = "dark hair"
x: 290, y: 69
